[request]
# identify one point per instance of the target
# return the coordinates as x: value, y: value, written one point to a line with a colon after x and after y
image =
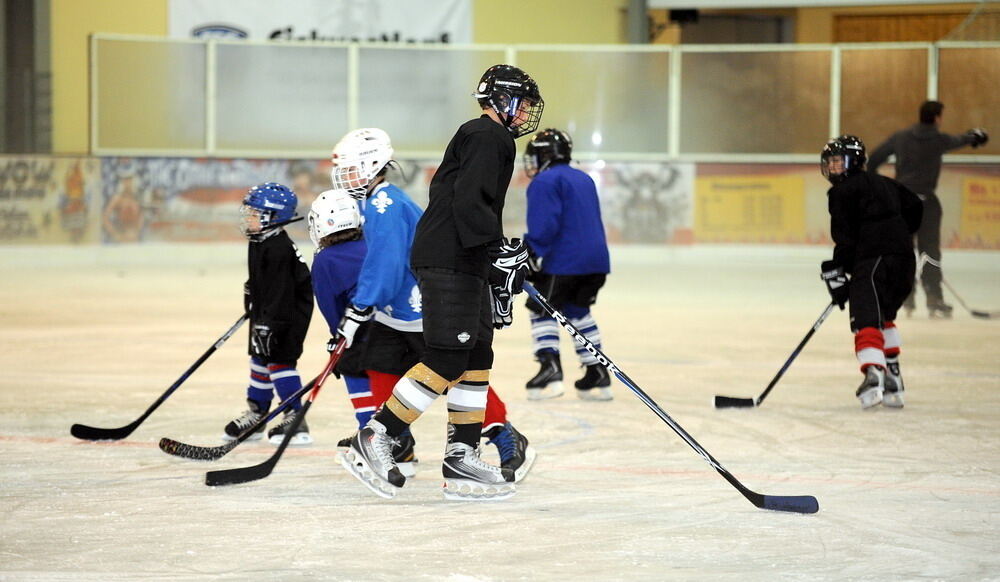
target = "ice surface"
x: 96, y: 335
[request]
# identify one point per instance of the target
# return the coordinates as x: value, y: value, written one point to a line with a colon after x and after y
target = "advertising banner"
x: 47, y: 200
x: 758, y: 208
x: 980, y: 222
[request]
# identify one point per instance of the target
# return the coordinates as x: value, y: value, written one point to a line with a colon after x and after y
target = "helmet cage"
x: 514, y: 96
x: 546, y: 148
x: 265, y: 206
x: 358, y: 159
x: 851, y: 153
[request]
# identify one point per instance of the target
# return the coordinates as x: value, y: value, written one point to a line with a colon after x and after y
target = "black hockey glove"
x: 534, y: 266
x: 260, y: 339
x: 352, y: 320
x: 510, y: 265
x: 979, y: 136
x: 503, y: 307
x: 837, y: 282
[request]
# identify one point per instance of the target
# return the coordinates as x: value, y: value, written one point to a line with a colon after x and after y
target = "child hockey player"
x: 872, y: 221
x: 566, y: 237
x: 278, y: 296
x: 387, y: 294
x: 468, y: 274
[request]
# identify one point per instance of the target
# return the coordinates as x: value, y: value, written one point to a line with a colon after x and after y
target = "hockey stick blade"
x: 795, y: 504
x: 985, y: 314
x: 731, y: 402
x: 197, y: 453
x: 93, y: 433
x: 261, y: 470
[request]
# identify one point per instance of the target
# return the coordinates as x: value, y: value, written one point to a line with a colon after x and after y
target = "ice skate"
x: 345, y: 443
x: 938, y: 309
x: 893, y: 395
x: 402, y: 453
x: 244, y: 421
x: 469, y: 478
x: 872, y: 388
x: 595, y: 384
x: 369, y: 459
x: 299, y: 439
x: 515, y: 452
x: 548, y: 382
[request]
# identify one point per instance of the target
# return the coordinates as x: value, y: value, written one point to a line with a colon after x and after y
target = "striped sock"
x: 359, y: 391
x: 261, y: 389
x: 544, y: 334
x: 467, y: 406
x: 286, y: 382
x: 588, y: 327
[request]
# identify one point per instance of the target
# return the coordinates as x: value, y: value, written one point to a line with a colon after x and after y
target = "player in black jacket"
x: 468, y: 274
x: 872, y: 221
x: 278, y: 296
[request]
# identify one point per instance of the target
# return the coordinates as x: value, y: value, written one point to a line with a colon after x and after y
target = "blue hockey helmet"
x: 270, y: 203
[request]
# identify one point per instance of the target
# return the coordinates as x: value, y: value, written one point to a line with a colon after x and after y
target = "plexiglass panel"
x: 280, y: 97
x: 757, y: 102
x: 607, y: 101
x: 420, y: 97
x: 881, y: 91
x: 968, y: 86
x: 150, y: 95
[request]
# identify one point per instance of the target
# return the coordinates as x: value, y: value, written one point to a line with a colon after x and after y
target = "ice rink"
x: 95, y: 335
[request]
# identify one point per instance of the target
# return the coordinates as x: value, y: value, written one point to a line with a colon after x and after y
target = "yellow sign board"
x: 980, y: 225
x: 750, y: 208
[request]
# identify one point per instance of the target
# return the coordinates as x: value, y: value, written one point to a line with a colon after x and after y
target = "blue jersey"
x: 335, y: 272
x: 564, y: 223
x: 386, y: 281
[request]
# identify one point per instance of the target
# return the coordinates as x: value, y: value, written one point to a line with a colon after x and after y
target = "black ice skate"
x: 299, y: 439
x: 872, y: 388
x: 244, y: 421
x: 515, y: 452
x: 595, y: 384
x: 344, y: 443
x: 469, y: 478
x: 402, y: 453
x: 893, y: 395
x: 548, y: 382
x: 369, y: 459
x: 938, y: 309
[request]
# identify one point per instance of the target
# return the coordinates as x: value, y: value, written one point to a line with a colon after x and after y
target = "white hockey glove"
x: 503, y: 307
x: 510, y: 265
x: 260, y: 339
x: 352, y: 320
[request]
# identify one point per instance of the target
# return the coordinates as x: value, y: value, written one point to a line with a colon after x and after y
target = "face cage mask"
x: 247, y: 215
x: 350, y: 178
x: 849, y: 167
x: 530, y: 115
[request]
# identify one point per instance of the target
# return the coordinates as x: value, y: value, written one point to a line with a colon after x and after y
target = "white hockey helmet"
x: 332, y: 211
x: 358, y: 157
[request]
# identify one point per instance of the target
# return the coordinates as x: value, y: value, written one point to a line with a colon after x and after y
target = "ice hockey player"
x: 570, y: 262
x: 278, y: 296
x: 468, y: 275
x: 872, y: 221
x: 918, y: 150
x: 387, y: 296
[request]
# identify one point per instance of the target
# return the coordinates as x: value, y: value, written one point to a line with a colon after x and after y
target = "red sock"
x: 496, y: 411
x: 381, y: 386
x: 868, y: 346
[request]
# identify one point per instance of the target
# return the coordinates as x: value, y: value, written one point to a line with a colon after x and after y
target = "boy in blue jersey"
x: 278, y: 297
x: 566, y: 236
x: 388, y: 297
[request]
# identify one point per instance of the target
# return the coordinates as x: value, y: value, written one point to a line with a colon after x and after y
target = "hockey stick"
x: 261, y: 470
x: 925, y: 259
x: 796, y: 503
x: 197, y: 453
x: 92, y: 433
x: 731, y: 402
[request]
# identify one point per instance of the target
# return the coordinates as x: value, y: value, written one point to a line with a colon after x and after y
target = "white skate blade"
x: 602, y: 394
x: 529, y: 460
x: 870, y: 398
x: 254, y: 437
x: 551, y: 390
x: 469, y: 490
x: 892, y: 399
x: 357, y: 467
x: 408, y: 469
x: 299, y: 440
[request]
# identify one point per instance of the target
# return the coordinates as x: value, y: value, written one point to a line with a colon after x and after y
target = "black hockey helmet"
x: 850, y: 150
x: 548, y: 147
x: 514, y: 96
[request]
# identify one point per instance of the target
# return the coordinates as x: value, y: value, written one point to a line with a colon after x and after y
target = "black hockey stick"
x: 197, y: 453
x: 796, y: 503
x: 92, y: 433
x: 925, y: 259
x: 732, y: 402
x: 261, y: 470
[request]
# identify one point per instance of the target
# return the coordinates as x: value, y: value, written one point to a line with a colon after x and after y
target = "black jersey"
x: 280, y: 294
x: 871, y: 215
x: 467, y: 195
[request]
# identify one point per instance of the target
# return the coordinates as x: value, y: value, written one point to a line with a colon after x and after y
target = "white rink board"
x: 95, y: 335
